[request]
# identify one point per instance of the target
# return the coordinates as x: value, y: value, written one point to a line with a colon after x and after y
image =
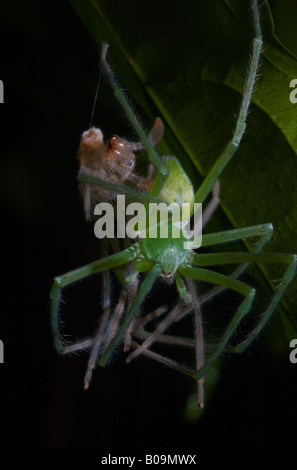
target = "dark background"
x: 49, y: 70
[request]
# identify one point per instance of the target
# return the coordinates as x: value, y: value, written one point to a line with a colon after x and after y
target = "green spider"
x: 168, y: 259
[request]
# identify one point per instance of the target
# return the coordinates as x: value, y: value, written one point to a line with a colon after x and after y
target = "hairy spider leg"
x: 128, y: 291
x: 152, y: 154
x: 237, y: 257
x: 109, y: 262
x: 232, y: 146
x: 163, y: 325
x: 132, y: 294
x: 222, y: 280
x: 99, y: 335
x: 244, y: 289
x: 165, y: 361
x: 119, y: 189
x: 145, y: 287
x: 199, y: 341
x: 108, y: 324
x: 213, y: 204
x: 265, y: 232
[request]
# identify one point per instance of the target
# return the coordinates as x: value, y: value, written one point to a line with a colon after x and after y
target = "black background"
x: 49, y: 70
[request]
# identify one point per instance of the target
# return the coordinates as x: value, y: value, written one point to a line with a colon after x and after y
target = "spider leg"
x: 118, y: 189
x: 232, y: 146
x: 139, y: 331
x: 152, y: 154
x: 99, y: 335
x: 216, y: 278
x: 213, y: 204
x: 86, y: 193
x: 139, y: 181
x: 199, y: 343
x: 210, y: 276
x: 164, y: 360
x: 139, y: 324
x: 150, y: 171
x: 224, y: 258
x: 182, y: 289
x: 142, y: 292
x: 208, y: 212
x: 116, y: 316
x: 166, y: 339
x: 287, y: 278
x: 163, y: 325
x: 132, y: 294
x: 143, y: 184
x: 264, y: 231
x: 66, y: 279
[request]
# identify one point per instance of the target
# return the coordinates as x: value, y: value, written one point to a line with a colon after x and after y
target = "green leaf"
x: 187, y: 63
